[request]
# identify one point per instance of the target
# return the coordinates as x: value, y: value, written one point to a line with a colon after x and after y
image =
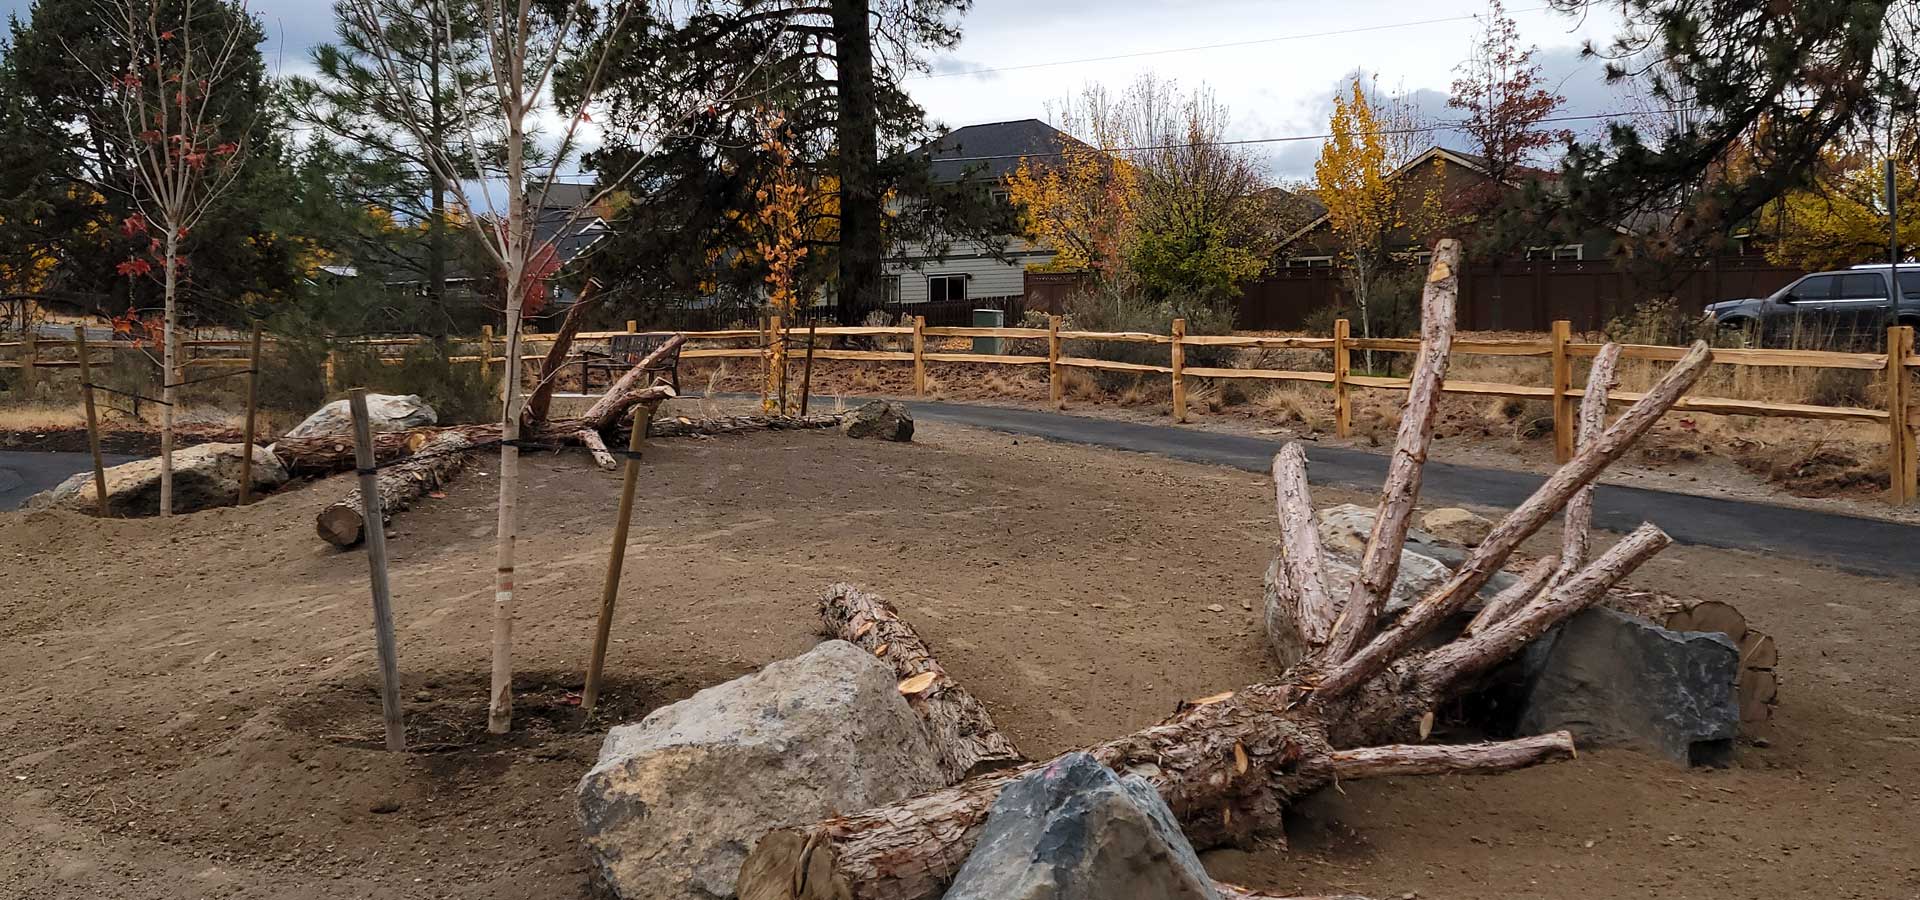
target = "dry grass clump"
x: 1307, y: 406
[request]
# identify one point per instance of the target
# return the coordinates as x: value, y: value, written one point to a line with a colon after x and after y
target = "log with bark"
x: 342, y: 523
x: 685, y: 427
x: 1228, y: 765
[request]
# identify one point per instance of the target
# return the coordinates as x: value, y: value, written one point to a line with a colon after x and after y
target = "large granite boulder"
x: 677, y: 800
x: 1076, y: 831
x: 1612, y: 678
x: 883, y: 419
x: 1459, y: 526
x: 204, y: 476
x: 386, y: 412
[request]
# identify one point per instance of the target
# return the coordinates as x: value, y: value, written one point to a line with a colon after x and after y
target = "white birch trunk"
x: 169, y: 368
x: 514, y: 258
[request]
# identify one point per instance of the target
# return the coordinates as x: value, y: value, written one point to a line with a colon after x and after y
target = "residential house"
x: 970, y: 270
x: 1430, y: 191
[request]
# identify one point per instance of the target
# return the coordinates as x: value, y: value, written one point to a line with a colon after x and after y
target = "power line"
x: 1413, y: 129
x: 1222, y: 46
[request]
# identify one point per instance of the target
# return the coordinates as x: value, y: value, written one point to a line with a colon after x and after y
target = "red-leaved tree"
x: 1500, y: 89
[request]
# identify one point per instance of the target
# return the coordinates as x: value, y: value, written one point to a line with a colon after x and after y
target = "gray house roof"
x: 991, y: 151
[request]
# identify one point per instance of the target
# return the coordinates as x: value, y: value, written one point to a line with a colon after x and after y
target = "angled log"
x: 962, y: 728
x: 556, y: 359
x: 607, y: 411
x: 1519, y: 594
x: 1300, y: 612
x: 1576, y: 534
x: 597, y: 448
x: 1399, y: 760
x: 342, y: 523
x: 1380, y: 562
x: 1517, y: 526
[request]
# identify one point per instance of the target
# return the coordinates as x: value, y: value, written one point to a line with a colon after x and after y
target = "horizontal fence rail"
x: 770, y: 344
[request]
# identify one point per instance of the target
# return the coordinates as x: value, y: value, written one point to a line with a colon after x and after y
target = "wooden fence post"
x: 486, y: 352
x: 1056, y: 390
x: 1179, y: 358
x: 246, y: 431
x: 333, y: 366
x: 29, y: 360
x: 1563, y: 420
x: 1901, y: 465
x: 919, y: 356
x: 1342, y: 365
x: 93, y: 420
x: 633, y: 325
x: 610, y: 591
x: 376, y: 535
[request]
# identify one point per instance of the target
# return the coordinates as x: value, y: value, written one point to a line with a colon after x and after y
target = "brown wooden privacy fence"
x: 769, y: 344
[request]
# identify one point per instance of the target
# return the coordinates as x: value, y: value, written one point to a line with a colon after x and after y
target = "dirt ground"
x: 190, y: 707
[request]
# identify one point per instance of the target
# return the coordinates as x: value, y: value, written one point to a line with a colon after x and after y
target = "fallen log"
x: 956, y: 718
x: 963, y: 731
x: 685, y: 427
x: 342, y: 523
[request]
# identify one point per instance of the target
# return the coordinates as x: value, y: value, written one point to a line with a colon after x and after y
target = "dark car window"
x: 1863, y: 286
x: 1910, y: 283
x: 1817, y: 287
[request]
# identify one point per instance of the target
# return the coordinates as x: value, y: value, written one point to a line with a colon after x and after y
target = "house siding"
x: 986, y: 276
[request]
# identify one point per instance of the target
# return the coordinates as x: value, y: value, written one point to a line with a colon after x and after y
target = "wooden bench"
x: 627, y: 351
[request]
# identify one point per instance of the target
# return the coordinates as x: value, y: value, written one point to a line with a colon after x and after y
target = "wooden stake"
x: 806, y: 372
x: 780, y: 327
x: 376, y: 537
x: 93, y: 419
x: 919, y: 356
x: 1342, y: 365
x: 486, y: 352
x: 1901, y: 465
x: 1056, y: 391
x: 333, y: 365
x: 1179, y: 359
x: 246, y: 431
x: 1563, y: 419
x: 610, y: 591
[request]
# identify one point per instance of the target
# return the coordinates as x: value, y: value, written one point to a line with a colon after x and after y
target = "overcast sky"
x: 1278, y: 81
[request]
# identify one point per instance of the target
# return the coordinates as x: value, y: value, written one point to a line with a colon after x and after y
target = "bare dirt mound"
x: 191, y: 709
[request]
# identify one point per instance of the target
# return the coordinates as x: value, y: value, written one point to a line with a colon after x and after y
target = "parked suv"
x: 1849, y: 301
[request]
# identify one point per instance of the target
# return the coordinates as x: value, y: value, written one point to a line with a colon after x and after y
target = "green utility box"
x: 989, y: 318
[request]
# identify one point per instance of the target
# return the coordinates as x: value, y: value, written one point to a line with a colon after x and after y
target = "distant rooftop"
x: 960, y: 153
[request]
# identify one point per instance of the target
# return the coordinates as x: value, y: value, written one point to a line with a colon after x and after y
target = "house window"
x: 1002, y: 197
x: 1562, y: 253
x: 941, y: 288
x: 1310, y: 262
x: 1424, y: 259
x: 891, y: 286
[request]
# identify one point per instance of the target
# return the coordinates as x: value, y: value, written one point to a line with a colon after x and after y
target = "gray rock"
x: 1076, y: 831
x: 1425, y: 561
x: 1611, y: 678
x: 882, y: 419
x: 677, y: 800
x: 204, y: 476
x: 1451, y: 523
x: 386, y: 412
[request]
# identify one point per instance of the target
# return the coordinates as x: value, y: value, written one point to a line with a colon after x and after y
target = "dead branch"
x: 605, y: 412
x: 1397, y: 760
x: 1517, y: 595
x: 1300, y: 612
x: 1380, y: 563
x: 1578, y: 522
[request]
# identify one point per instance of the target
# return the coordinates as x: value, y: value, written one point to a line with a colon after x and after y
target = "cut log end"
x: 340, y: 525
x: 788, y: 864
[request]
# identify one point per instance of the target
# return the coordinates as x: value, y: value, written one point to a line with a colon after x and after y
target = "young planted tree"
x: 533, y: 77
x: 781, y: 245
x: 184, y: 149
x: 1354, y: 178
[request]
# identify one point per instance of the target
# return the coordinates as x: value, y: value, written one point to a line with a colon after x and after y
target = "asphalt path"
x: 1852, y: 543
x: 24, y: 473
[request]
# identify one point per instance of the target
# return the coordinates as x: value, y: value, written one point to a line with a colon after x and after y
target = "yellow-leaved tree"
x: 781, y: 242
x: 1841, y: 219
x: 1354, y: 180
x: 1080, y: 203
